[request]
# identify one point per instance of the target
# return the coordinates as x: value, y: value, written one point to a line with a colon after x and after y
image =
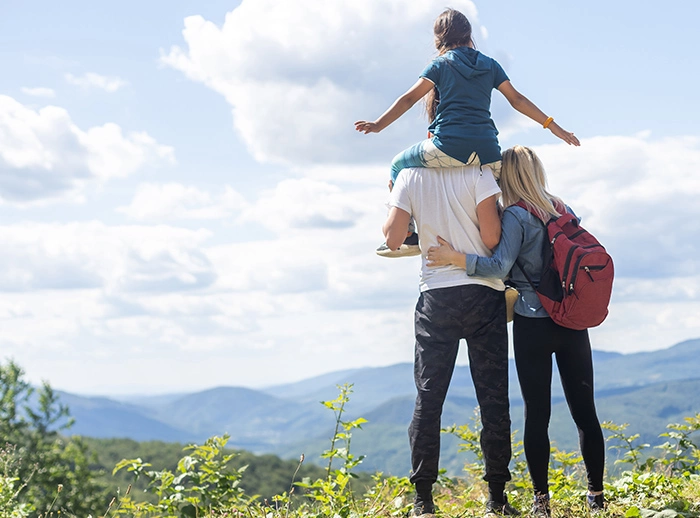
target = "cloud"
x: 45, y: 156
x: 298, y: 81
x: 304, y: 204
x: 38, y: 92
x: 638, y: 195
x: 115, y: 260
x: 93, y: 80
x: 171, y: 201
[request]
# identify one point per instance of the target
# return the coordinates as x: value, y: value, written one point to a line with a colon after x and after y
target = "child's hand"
x: 560, y: 132
x: 442, y: 255
x: 367, y: 127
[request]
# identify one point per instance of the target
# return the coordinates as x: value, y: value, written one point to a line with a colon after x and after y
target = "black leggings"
x: 534, y: 340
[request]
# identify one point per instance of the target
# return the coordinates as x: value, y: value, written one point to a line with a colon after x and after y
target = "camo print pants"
x: 444, y: 316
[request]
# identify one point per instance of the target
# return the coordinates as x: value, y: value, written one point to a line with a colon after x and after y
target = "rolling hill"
x: 647, y: 390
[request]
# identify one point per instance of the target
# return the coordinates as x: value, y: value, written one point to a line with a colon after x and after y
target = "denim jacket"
x: 523, y: 237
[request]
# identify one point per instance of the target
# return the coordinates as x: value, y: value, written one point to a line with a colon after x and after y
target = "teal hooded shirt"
x: 464, y: 78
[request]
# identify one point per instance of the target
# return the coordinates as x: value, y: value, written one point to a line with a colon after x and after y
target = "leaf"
x: 633, y: 512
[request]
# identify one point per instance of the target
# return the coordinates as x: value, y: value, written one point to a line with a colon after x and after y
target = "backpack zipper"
x: 566, y: 266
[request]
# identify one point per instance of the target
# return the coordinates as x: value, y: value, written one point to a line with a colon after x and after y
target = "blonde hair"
x: 523, y: 178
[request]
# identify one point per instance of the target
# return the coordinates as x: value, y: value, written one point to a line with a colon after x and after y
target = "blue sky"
x: 184, y: 202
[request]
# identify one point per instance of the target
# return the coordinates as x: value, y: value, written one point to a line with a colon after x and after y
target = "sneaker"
x: 425, y: 508
x: 596, y: 503
x: 503, y: 508
x: 540, y: 506
x: 407, y: 249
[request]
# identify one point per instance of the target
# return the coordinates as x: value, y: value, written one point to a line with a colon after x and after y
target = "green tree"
x: 53, y: 470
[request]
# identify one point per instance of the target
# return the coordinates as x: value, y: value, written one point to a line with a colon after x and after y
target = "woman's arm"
x: 396, y: 110
x: 528, y: 108
x: 498, y: 265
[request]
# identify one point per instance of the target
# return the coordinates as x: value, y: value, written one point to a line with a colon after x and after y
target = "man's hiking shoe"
x: 425, y: 508
x: 407, y: 249
x: 495, y: 509
x: 540, y: 507
x: 595, y: 503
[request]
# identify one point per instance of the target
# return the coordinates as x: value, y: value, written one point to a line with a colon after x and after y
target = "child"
x: 457, y: 86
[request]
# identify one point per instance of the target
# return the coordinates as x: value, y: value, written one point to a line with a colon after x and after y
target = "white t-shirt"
x: 443, y: 203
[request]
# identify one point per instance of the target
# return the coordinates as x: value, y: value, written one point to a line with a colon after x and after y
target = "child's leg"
x: 411, y: 157
x: 425, y: 154
x: 495, y: 169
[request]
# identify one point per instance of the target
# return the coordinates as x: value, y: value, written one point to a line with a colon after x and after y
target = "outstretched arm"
x: 527, y: 107
x: 396, y: 110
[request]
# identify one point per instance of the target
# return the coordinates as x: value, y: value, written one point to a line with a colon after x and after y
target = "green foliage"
x: 203, y: 481
x: 681, y: 453
x: 266, y: 475
x: 632, y: 453
x: 208, y: 480
x: 55, y: 470
x: 334, y: 491
x: 10, y: 507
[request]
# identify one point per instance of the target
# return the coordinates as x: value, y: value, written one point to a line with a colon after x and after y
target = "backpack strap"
x: 561, y: 209
x: 529, y: 280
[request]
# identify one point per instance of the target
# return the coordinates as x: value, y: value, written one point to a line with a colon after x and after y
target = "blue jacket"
x: 523, y: 237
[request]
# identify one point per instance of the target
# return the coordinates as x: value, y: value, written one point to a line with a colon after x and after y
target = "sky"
x: 184, y: 202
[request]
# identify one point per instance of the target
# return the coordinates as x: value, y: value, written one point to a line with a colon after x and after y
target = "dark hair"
x: 451, y: 29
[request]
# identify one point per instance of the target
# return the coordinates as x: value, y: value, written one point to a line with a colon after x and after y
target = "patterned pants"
x: 425, y: 154
x: 443, y: 316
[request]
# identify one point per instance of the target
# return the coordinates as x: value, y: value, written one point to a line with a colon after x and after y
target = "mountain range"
x: 648, y: 390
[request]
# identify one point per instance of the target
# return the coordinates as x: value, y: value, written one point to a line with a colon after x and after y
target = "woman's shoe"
x: 540, y: 506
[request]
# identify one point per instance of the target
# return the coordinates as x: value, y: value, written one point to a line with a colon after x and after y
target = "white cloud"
x: 297, y: 82
x: 304, y: 203
x: 638, y: 195
x: 159, y: 202
x: 315, y: 295
x: 38, y: 92
x: 44, y: 155
x: 115, y: 260
x: 93, y: 80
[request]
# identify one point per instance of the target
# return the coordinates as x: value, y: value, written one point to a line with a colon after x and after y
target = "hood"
x: 468, y: 62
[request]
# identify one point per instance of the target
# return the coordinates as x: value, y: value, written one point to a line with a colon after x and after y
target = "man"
x: 459, y: 205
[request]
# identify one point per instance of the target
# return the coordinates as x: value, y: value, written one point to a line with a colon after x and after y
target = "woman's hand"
x: 445, y: 255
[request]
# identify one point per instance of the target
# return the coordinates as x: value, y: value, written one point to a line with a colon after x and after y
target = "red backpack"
x: 577, y: 279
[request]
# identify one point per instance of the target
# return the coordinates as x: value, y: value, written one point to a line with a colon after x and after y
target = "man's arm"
x: 396, y: 227
x: 489, y: 229
x: 489, y: 221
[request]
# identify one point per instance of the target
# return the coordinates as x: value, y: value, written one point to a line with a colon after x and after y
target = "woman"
x: 535, y: 336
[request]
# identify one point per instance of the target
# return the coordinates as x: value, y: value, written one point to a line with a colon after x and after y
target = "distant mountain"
x: 102, y: 417
x: 648, y: 390
x: 384, y: 439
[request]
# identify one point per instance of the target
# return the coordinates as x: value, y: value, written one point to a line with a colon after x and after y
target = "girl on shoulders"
x: 457, y: 88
